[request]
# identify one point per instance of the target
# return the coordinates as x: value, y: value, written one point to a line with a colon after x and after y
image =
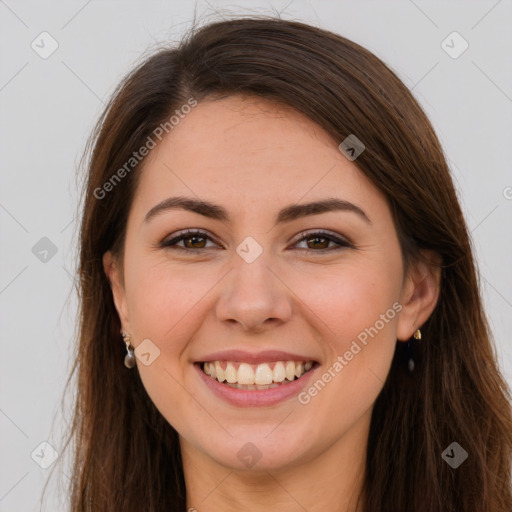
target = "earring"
x: 410, y: 349
x: 129, y: 358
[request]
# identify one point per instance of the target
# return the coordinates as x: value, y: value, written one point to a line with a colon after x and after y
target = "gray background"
x: 48, y: 107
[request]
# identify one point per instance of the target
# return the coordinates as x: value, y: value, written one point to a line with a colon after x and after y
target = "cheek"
x: 161, y: 297
x: 358, y: 309
x: 343, y: 301
x: 163, y: 307
x: 351, y: 301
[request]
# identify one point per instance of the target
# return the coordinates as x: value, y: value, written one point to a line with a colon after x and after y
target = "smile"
x: 241, y: 375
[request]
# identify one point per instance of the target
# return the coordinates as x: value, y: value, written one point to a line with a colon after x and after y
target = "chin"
x: 255, y: 451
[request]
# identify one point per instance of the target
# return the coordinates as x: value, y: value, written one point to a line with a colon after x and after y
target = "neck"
x: 334, y: 476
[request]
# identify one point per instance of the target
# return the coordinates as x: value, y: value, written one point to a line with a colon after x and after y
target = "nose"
x: 254, y: 297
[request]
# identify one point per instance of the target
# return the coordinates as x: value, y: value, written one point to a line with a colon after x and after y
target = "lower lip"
x: 256, y: 397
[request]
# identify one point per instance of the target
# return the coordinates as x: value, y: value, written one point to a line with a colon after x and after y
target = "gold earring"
x: 129, y: 358
x: 417, y: 334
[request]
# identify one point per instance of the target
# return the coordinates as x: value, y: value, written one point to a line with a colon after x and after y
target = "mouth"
x: 256, y: 377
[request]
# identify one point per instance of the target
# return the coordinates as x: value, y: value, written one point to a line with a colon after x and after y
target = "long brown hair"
x: 126, y: 455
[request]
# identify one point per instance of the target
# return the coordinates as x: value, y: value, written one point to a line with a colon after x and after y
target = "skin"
x: 254, y: 157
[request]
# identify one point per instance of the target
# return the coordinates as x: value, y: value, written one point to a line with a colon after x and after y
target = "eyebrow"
x: 287, y: 214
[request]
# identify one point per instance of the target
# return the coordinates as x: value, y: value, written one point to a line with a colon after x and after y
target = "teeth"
x: 219, y: 372
x: 242, y: 386
x: 245, y: 374
x: 263, y: 374
x: 260, y: 376
x: 290, y: 370
x: 231, y: 373
x: 278, y: 375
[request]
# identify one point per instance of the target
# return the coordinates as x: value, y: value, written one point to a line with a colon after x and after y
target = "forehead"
x: 247, y: 152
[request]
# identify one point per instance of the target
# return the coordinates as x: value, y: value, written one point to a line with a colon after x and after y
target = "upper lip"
x: 254, y: 357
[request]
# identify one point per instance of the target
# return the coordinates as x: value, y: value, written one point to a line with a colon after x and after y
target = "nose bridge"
x: 253, y: 294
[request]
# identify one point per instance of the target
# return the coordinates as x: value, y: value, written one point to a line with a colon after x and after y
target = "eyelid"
x: 185, y: 233
x: 340, y: 240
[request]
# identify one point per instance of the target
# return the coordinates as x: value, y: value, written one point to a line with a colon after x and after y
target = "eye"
x: 322, y: 239
x: 194, y: 240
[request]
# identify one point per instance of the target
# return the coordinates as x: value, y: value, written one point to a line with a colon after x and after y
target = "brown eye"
x: 192, y: 240
x: 319, y: 242
x: 194, y: 243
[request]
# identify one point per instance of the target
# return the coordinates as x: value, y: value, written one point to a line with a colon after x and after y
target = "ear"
x: 420, y: 293
x: 114, y: 273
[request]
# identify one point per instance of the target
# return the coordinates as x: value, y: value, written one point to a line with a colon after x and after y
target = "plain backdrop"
x: 49, y: 106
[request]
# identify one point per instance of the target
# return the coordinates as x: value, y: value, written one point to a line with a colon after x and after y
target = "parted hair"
x: 126, y: 456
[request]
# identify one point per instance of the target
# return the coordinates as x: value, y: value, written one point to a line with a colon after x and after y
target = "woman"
x: 279, y: 303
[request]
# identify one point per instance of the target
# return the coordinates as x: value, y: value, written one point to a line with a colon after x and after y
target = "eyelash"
x: 171, y: 244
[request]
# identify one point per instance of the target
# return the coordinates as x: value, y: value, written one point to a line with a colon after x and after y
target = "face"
x: 264, y: 293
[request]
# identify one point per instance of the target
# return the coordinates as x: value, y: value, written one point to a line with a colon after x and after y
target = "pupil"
x: 193, y: 239
x: 318, y: 238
